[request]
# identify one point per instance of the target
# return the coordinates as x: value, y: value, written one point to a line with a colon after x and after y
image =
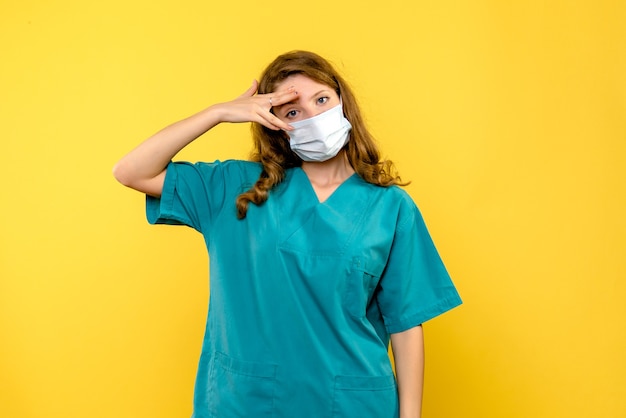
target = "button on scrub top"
x: 304, y: 294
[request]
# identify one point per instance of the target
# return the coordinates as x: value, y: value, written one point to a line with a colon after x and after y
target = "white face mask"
x: 321, y: 137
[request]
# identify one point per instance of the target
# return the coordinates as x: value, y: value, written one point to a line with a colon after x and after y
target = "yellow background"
x: 508, y: 118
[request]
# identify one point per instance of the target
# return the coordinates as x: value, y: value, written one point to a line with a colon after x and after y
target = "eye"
x: 322, y: 100
x: 291, y: 114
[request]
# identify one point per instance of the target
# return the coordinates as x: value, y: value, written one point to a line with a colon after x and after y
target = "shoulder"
x: 399, y: 195
x: 407, y: 210
x: 247, y: 170
x: 229, y: 169
x: 242, y: 165
x: 393, y: 202
x: 230, y: 165
x: 394, y: 195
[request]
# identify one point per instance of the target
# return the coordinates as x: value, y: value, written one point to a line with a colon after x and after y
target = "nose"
x: 309, y: 110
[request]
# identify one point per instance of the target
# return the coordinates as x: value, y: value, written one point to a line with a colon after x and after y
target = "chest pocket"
x: 360, y: 287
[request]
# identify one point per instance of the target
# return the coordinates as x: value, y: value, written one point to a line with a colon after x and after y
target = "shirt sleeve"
x: 193, y: 195
x: 415, y: 285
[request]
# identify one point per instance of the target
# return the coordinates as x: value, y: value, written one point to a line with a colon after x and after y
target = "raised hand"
x: 252, y: 107
x: 143, y: 168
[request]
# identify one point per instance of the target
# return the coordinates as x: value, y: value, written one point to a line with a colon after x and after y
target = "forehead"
x: 302, y: 83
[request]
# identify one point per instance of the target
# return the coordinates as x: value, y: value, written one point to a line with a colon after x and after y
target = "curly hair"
x: 272, y: 150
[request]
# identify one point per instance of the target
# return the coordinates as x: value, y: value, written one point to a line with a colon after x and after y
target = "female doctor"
x: 318, y: 258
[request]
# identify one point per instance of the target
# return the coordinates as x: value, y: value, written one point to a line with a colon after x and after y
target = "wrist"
x: 213, y: 115
x: 410, y: 409
x: 411, y: 414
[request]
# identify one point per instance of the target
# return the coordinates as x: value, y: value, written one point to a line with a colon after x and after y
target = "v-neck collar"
x: 314, y: 194
x: 307, y: 226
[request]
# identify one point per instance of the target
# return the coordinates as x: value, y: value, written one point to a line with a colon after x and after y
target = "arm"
x: 408, y: 353
x: 143, y: 169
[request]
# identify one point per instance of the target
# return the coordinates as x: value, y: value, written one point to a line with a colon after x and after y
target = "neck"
x: 333, y: 171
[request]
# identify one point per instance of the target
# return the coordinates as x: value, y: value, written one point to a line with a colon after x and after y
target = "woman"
x: 317, y: 257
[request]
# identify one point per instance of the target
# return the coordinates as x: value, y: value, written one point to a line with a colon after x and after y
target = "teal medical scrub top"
x: 304, y: 294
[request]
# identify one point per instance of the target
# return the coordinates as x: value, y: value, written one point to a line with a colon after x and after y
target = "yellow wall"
x: 509, y: 118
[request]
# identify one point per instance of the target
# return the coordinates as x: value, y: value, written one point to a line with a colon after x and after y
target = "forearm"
x: 151, y: 157
x: 143, y: 168
x: 408, y: 353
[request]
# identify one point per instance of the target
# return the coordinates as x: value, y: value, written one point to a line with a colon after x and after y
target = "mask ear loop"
x: 343, y: 113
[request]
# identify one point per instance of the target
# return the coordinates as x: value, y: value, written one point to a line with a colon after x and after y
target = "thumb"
x: 251, y: 90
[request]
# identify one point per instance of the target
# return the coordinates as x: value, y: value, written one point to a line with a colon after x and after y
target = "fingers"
x: 254, y: 107
x: 270, y: 121
x: 279, y: 98
x: 251, y: 90
x: 272, y: 100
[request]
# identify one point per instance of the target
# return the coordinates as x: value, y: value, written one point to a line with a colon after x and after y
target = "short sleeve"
x: 415, y: 285
x: 193, y: 195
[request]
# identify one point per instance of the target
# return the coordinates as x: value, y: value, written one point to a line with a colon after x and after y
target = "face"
x: 313, y: 99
